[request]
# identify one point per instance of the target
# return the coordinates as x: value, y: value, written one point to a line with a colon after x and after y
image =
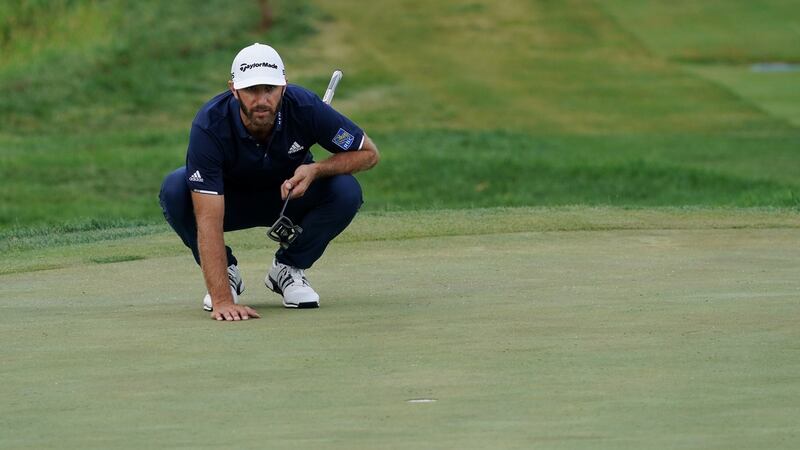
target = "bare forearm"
x: 214, y: 263
x: 209, y: 212
x: 338, y: 164
x: 342, y: 163
x: 349, y: 162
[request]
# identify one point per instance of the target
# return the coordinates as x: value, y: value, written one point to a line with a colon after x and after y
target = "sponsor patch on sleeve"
x: 343, y: 139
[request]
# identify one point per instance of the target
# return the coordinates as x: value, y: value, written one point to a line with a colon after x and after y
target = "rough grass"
x: 476, y: 104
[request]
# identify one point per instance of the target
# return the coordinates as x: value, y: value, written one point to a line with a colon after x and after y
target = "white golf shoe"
x: 292, y: 284
x: 237, y: 287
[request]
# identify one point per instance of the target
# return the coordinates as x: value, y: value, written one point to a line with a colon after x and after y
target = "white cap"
x: 257, y: 64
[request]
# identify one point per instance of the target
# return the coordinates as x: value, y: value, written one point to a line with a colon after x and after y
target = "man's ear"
x: 230, y: 86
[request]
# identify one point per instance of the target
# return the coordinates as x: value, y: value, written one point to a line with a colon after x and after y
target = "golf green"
x: 548, y: 339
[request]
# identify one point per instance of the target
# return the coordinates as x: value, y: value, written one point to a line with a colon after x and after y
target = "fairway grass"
x: 594, y: 329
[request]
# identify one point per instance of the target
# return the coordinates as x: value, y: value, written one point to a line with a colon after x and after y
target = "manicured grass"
x: 613, y: 338
x: 776, y: 93
x: 87, y: 244
x: 732, y: 31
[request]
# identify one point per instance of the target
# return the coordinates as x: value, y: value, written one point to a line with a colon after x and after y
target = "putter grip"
x: 337, y: 75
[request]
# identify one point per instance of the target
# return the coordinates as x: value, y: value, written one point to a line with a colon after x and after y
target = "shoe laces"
x: 292, y: 275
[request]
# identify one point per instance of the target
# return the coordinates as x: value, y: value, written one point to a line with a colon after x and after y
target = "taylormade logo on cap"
x: 257, y: 64
x: 246, y: 66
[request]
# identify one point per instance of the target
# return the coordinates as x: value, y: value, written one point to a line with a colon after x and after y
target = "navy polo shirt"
x: 222, y: 154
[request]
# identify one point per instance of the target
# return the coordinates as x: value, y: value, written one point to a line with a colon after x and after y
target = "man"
x: 248, y: 152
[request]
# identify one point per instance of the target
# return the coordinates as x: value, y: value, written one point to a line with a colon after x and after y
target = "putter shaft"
x: 337, y: 75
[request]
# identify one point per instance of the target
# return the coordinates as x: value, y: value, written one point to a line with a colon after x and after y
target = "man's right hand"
x: 232, y: 311
x: 209, y: 210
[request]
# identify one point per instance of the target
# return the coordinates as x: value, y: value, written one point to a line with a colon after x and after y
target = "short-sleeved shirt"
x: 222, y: 154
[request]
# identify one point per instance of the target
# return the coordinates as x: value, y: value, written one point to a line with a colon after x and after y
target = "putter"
x: 283, y: 231
x: 335, y: 78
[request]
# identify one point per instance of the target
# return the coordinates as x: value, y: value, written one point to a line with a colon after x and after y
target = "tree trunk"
x: 266, y: 15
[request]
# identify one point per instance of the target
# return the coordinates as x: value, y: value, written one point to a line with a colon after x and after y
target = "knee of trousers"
x: 346, y: 194
x: 174, y: 195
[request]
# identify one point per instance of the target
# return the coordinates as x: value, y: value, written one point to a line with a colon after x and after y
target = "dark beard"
x: 260, y: 124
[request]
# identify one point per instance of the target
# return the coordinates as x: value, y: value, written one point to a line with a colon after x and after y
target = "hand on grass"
x: 231, y: 311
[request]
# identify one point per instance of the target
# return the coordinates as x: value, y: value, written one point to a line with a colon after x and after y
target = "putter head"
x: 284, y: 232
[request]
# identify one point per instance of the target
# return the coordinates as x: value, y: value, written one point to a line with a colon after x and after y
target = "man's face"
x: 259, y: 105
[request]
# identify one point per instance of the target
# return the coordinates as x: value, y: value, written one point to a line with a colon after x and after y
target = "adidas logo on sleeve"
x: 196, y: 177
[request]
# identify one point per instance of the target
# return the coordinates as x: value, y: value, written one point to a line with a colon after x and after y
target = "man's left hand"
x: 299, y: 183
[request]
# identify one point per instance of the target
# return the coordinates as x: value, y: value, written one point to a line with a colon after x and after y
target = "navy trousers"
x: 326, y: 209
